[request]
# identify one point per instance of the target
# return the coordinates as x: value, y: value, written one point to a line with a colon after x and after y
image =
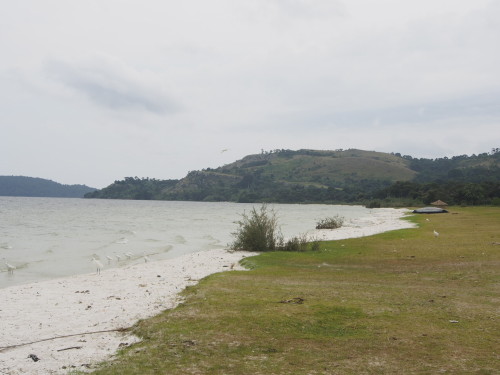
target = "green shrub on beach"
x: 330, y: 222
x: 259, y: 231
x: 299, y: 243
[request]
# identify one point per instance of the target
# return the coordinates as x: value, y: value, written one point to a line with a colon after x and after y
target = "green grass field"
x: 403, y: 302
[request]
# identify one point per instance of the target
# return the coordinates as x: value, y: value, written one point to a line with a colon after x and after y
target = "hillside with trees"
x: 134, y: 188
x: 340, y: 176
x: 20, y: 186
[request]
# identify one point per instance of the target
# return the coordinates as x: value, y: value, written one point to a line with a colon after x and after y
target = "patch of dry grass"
x: 400, y: 302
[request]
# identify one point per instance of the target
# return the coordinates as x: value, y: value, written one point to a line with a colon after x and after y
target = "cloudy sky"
x: 97, y: 90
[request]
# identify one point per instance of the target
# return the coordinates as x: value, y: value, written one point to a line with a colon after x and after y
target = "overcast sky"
x: 92, y: 91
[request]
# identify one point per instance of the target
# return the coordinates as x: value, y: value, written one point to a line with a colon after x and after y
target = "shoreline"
x: 68, y: 316
x: 78, y: 305
x: 381, y: 220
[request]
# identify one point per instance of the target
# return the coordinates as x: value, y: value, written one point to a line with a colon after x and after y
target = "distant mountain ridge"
x: 22, y: 186
x: 306, y: 176
x: 326, y: 168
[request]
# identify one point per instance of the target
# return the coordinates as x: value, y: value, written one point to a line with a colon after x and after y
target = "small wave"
x: 122, y: 241
x: 127, y: 231
x: 49, y: 234
x: 212, y: 241
x: 5, y: 246
x: 180, y: 240
x: 167, y: 248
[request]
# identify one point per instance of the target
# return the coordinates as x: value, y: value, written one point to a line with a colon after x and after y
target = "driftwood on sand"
x: 5, y: 348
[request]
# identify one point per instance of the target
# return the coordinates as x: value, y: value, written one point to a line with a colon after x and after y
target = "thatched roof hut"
x: 439, y: 202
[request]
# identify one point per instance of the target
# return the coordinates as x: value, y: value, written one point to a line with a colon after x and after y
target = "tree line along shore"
x: 370, y: 178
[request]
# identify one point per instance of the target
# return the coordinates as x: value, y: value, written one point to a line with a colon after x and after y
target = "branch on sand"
x: 5, y: 348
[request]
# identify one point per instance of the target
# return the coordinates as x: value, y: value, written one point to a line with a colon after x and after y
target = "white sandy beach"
x: 381, y: 220
x: 35, y: 316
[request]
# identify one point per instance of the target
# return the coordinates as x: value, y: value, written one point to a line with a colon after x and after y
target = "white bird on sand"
x: 10, y: 267
x: 436, y: 234
x: 109, y: 258
x: 118, y: 258
x: 128, y: 255
x: 146, y: 258
x: 98, y: 265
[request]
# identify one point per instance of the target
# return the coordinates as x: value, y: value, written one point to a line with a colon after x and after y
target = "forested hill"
x: 341, y: 176
x: 20, y: 186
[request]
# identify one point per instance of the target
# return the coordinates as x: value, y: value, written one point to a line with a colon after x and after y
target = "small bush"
x: 258, y: 231
x: 293, y: 244
x: 330, y: 222
x: 300, y: 243
x: 297, y: 243
x: 315, y: 246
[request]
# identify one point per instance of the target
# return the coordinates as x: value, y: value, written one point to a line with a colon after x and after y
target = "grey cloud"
x: 467, y: 107
x: 470, y: 106
x: 111, y: 86
x: 289, y: 11
x: 311, y: 8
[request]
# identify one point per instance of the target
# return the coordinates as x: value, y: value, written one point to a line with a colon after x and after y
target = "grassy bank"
x: 400, y: 302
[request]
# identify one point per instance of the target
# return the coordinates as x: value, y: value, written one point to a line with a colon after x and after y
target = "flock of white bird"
x: 118, y: 257
x: 97, y: 262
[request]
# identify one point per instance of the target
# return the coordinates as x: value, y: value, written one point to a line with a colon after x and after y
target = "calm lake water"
x: 46, y: 238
